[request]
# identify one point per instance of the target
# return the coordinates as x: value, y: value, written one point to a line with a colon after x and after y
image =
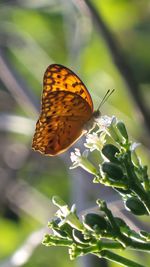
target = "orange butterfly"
x: 67, y: 111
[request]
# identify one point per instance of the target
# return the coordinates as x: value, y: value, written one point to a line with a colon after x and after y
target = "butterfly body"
x: 67, y: 111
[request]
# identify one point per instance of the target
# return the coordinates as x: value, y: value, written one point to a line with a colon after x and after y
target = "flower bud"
x: 109, y: 152
x: 112, y: 170
x: 136, y: 206
x: 58, y: 202
x: 93, y: 221
x: 122, y: 129
x: 120, y: 222
x: 60, y: 233
x: 74, y: 221
x: 79, y: 237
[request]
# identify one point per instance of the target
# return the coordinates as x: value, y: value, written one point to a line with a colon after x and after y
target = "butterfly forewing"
x: 59, y: 78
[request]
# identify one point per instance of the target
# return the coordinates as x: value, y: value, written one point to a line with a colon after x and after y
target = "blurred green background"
x: 34, y: 34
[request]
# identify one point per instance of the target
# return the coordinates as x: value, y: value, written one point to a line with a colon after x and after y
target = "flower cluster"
x: 120, y: 168
x: 95, y: 233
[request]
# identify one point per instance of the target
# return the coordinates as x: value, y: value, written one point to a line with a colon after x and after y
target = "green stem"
x: 146, y: 179
x: 135, y: 245
x: 118, y: 259
x: 134, y: 182
x: 50, y: 240
x: 108, y: 245
x: 133, y: 235
x: 99, y: 246
x: 146, y: 183
x: 142, y: 195
x: 140, y: 246
x: 117, y: 184
x: 118, y: 235
x: 123, y: 239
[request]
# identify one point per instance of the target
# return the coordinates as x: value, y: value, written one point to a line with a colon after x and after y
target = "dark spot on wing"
x: 66, y: 85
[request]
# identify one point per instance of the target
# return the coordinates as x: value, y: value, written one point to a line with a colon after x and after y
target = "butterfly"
x: 67, y: 111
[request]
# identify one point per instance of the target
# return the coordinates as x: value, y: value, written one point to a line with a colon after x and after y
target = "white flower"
x: 82, y: 161
x: 105, y: 122
x: 75, y: 158
x: 108, y: 125
x: 95, y: 141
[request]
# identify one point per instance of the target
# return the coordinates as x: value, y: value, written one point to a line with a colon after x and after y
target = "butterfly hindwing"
x: 61, y: 122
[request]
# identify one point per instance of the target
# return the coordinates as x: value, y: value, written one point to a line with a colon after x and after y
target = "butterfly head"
x: 96, y: 114
x: 91, y: 123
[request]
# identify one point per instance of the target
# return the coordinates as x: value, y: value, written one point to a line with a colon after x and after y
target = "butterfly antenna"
x: 106, y: 96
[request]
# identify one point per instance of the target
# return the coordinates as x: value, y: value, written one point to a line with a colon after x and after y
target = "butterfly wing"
x: 61, y: 122
x: 66, y: 107
x: 59, y: 78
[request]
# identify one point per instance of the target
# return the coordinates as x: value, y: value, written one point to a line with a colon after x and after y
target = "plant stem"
x: 123, y: 239
x: 109, y: 245
x: 134, y: 182
x: 135, y: 245
x: 143, y: 196
x: 140, y: 246
x: 117, y: 258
